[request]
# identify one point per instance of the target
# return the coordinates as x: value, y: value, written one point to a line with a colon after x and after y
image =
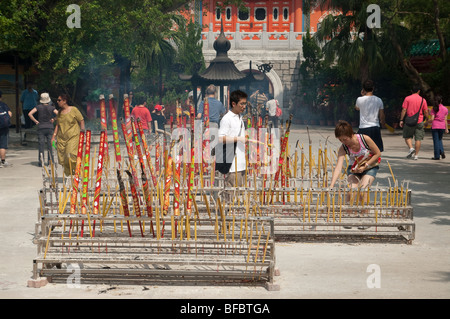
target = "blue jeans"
x: 437, y: 142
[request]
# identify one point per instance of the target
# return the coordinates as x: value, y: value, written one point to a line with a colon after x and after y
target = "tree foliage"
x: 354, y: 50
x: 365, y: 51
x: 113, y: 32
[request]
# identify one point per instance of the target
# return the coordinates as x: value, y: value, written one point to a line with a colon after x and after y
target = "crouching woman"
x: 363, y: 153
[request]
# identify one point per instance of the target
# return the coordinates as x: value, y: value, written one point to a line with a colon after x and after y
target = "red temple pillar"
x: 297, y: 15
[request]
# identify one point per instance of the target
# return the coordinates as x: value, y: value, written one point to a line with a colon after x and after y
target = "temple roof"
x: 425, y: 48
x: 222, y: 70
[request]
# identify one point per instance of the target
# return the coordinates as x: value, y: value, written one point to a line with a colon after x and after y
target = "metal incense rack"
x: 194, y: 247
x: 153, y: 216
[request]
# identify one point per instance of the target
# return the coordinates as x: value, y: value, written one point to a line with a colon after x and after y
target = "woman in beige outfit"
x: 67, y: 132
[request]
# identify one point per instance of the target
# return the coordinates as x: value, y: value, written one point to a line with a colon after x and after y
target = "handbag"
x: 412, y: 120
x: 278, y: 112
x: 362, y: 160
x: 226, y: 154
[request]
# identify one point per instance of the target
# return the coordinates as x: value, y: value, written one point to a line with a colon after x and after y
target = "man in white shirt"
x: 271, y: 107
x: 232, y: 130
x: 371, y: 114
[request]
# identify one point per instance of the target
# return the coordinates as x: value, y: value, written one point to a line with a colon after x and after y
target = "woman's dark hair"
x: 343, y: 128
x: 437, y: 101
x: 64, y: 97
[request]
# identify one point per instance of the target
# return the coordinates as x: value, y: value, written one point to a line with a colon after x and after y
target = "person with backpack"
x: 413, y: 119
x: 46, y: 113
x: 364, y: 157
x: 232, y: 136
x: 5, y: 122
x: 371, y: 114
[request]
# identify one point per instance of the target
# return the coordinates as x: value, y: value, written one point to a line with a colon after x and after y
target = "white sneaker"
x: 411, y: 153
x: 6, y: 164
x: 416, y: 157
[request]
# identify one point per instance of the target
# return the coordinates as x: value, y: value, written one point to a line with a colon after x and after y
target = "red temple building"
x: 275, y: 16
x: 266, y: 33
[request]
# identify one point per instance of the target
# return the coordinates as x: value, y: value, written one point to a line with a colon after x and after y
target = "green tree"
x: 349, y: 41
x: 311, y: 74
x: 411, y: 21
x: 367, y: 52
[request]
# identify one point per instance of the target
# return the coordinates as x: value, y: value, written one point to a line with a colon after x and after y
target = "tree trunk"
x: 160, y: 84
x: 443, y: 48
x: 124, y: 65
x: 364, y: 69
x: 409, y: 69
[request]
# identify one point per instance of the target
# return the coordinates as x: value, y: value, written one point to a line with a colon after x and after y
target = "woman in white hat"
x: 46, y: 113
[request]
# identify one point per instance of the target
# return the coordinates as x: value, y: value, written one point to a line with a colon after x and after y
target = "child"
x: 158, y: 117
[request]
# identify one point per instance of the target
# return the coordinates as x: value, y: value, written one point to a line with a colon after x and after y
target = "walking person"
x: 216, y: 108
x: 29, y: 100
x: 5, y: 122
x: 371, y: 115
x: 271, y: 107
x: 141, y: 112
x: 46, y: 113
x: 159, y: 119
x: 259, y: 99
x: 216, y: 111
x: 69, y: 123
x: 439, y: 126
x: 414, y: 106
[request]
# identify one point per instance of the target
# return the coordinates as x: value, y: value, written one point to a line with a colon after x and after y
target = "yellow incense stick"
x: 250, y: 242
x: 240, y: 229
x: 180, y: 227
x: 195, y: 229
x: 232, y: 233
x: 257, y: 245
x: 172, y: 224
x: 390, y: 169
x: 216, y: 228
x: 265, y: 246
x: 48, y: 241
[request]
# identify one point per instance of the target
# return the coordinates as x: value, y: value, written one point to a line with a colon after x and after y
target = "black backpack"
x: 5, y: 119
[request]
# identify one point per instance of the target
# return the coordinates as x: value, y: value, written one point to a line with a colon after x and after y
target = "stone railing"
x: 264, y: 39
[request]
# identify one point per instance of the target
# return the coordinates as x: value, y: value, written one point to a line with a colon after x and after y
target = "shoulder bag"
x: 412, y: 120
x: 223, y: 153
x: 5, y: 119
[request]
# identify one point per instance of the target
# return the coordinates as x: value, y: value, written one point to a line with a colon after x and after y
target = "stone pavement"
x: 307, y: 270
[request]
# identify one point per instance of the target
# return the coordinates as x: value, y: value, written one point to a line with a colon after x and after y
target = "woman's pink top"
x: 439, y: 118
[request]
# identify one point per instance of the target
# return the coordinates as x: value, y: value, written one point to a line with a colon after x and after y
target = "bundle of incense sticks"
x: 184, y: 183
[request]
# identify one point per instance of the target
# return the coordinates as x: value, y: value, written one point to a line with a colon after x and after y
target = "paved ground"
x: 307, y: 270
